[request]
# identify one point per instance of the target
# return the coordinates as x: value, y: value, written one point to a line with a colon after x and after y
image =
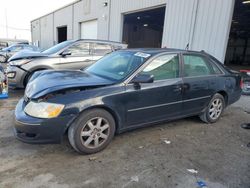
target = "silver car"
x: 72, y: 54
x: 7, y: 52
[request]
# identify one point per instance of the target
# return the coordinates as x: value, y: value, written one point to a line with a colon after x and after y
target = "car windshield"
x: 58, y: 47
x: 8, y: 48
x: 118, y: 65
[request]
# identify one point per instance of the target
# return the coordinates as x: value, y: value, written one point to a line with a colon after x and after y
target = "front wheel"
x: 28, y: 77
x: 214, y: 109
x: 92, y: 131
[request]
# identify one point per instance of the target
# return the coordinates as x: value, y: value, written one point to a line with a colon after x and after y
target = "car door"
x: 199, y: 82
x: 160, y: 100
x: 98, y: 50
x: 77, y: 56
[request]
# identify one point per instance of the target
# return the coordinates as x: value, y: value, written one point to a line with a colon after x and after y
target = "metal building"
x: 196, y: 24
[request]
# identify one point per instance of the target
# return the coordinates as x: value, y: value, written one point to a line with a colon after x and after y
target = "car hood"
x: 27, y: 54
x: 48, y: 81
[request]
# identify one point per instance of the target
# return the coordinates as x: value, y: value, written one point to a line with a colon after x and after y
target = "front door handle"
x: 177, y: 88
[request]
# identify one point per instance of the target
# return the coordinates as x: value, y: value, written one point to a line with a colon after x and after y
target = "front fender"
x: 78, y: 102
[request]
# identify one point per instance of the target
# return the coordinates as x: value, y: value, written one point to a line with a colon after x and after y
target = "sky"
x: 19, y: 13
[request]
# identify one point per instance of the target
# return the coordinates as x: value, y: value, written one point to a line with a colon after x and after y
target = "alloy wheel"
x: 215, y: 109
x: 95, y: 132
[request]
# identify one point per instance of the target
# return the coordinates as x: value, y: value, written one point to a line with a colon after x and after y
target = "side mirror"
x: 65, y: 53
x: 143, y: 78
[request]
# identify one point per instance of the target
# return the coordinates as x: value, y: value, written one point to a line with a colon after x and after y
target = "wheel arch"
x: 32, y: 72
x: 104, y: 107
x: 225, y: 95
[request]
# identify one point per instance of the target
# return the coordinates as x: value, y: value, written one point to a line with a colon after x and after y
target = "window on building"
x: 163, y: 67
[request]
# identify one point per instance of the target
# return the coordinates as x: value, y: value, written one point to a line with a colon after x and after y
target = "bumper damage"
x: 16, y: 76
x: 39, y: 131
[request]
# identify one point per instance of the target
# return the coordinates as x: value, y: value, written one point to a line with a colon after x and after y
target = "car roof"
x: 101, y: 41
x: 155, y: 51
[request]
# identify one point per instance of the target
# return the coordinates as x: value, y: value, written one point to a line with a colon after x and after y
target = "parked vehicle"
x: 6, y: 53
x: 72, y: 54
x: 245, y: 82
x: 3, y: 45
x: 5, y: 42
x: 3, y: 84
x: 2, y: 78
x: 124, y: 90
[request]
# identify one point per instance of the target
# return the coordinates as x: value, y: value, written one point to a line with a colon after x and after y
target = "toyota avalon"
x: 124, y: 90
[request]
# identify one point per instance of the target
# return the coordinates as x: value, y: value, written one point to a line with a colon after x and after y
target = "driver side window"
x: 163, y: 67
x: 79, y: 49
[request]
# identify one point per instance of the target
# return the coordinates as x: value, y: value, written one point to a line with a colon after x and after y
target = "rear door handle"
x: 185, y: 87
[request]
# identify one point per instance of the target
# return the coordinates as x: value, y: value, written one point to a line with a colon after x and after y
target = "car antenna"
x: 187, y: 47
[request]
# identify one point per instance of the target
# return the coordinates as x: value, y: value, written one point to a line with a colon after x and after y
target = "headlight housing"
x: 43, y: 109
x: 20, y: 62
x: 11, y: 74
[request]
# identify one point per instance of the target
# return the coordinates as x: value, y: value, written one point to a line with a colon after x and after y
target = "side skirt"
x: 137, y: 126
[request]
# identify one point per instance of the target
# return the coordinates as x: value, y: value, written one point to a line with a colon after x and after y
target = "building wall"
x: 87, y: 10
x: 212, y: 28
x: 121, y: 7
x: 35, y: 32
x: 179, y: 20
x: 64, y: 17
x: 46, y: 24
x: 202, y: 24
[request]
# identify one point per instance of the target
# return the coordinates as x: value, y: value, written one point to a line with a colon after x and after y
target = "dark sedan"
x: 124, y: 90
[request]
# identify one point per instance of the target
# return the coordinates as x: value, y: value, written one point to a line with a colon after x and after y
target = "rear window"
x: 195, y: 66
x: 216, y: 69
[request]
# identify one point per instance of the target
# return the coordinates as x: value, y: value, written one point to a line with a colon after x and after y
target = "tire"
x: 3, y: 59
x: 214, y: 109
x: 27, y: 78
x: 92, y: 131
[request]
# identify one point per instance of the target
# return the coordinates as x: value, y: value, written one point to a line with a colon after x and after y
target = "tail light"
x: 241, y: 83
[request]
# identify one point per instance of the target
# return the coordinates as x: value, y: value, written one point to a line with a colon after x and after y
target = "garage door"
x: 89, y: 30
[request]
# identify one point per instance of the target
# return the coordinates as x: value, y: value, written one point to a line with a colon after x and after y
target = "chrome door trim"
x: 167, y: 104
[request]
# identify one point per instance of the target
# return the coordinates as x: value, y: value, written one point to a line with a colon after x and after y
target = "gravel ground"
x: 140, y: 158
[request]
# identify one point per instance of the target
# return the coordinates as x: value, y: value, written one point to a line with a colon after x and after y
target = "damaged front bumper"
x: 39, y: 131
x: 16, y: 76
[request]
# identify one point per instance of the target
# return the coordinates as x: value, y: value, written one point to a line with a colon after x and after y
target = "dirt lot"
x: 139, y: 158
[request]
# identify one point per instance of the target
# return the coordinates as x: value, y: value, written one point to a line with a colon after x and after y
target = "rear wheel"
x: 214, y: 109
x: 92, y: 131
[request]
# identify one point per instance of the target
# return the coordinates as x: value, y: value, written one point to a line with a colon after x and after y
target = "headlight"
x: 43, y: 109
x: 20, y: 62
x: 11, y: 74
